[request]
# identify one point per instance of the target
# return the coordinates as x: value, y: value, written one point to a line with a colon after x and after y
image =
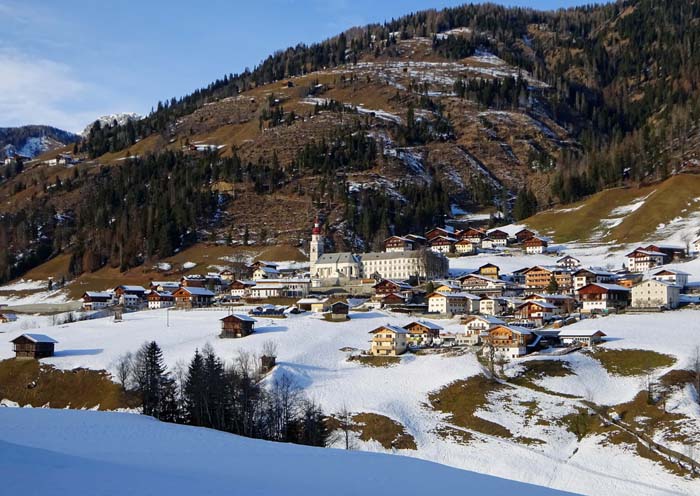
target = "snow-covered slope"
x: 108, y: 120
x: 86, y: 453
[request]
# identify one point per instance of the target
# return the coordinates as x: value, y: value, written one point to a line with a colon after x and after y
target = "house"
x: 474, y: 235
x: 188, y: 297
x: 476, y: 326
x: 394, y: 244
x: 508, y: 341
x: 265, y: 272
x: 439, y: 231
x: 696, y: 245
x: 339, y: 310
x: 447, y: 287
x: 452, y: 303
x: 33, y: 346
x: 673, y: 253
x: 263, y: 291
x: 523, y: 235
x: 628, y: 280
x: 307, y: 303
x: 241, y: 288
x: 227, y: 275
x: 491, y: 306
x: 170, y: 286
x: 565, y: 304
x: 603, y: 297
x: 582, y: 277
x: 465, y: 247
x: 677, y: 277
x: 443, y: 244
x: 569, y: 262
x: 489, y: 270
x: 418, y: 241
x: 416, y: 264
x: 391, y: 299
x: 6, y: 318
x: 540, y: 277
x: 641, y: 260
x: 499, y: 239
x: 321, y: 306
x: 388, y: 286
x: 160, y: 299
x: 535, y: 245
x: 388, y: 340
x: 236, y: 326
x: 586, y: 338
x: 537, y: 311
x: 482, y: 285
x: 137, y: 291
x: 656, y: 294
x: 422, y: 332
x: 192, y: 281
x: 96, y: 300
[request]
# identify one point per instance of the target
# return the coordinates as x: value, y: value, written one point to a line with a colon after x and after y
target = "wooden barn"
x: 236, y: 326
x: 33, y: 346
x: 339, y: 310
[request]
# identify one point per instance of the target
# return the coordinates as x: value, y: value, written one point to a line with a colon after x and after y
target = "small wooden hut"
x: 236, y: 326
x: 33, y: 346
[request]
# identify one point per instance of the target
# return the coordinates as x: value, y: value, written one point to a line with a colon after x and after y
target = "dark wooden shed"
x: 339, y: 310
x: 33, y: 346
x: 236, y: 326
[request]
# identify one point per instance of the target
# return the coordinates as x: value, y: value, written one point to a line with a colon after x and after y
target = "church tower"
x: 316, y: 246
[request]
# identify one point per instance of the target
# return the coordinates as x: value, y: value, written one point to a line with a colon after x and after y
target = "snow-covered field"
x: 309, y: 352
x: 88, y: 453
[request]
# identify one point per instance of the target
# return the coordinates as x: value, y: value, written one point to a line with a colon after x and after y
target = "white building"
x: 586, y: 338
x: 265, y: 273
x: 643, y: 260
x: 453, y: 303
x: 491, y: 306
x: 389, y: 340
x: 465, y: 247
x: 654, y: 293
x: 677, y: 277
x: 338, y: 266
x: 288, y: 288
x: 422, y: 264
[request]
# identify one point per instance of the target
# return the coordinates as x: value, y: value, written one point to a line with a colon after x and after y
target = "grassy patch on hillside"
x: 535, y: 370
x: 28, y: 382
x: 375, y: 427
x: 666, y: 203
x: 462, y: 399
x: 389, y: 433
x: 578, y: 220
x: 375, y: 361
x: 631, y: 362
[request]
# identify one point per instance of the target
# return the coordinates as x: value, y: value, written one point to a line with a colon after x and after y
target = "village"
x: 501, y: 315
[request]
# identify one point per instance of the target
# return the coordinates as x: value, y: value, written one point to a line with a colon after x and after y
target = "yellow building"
x: 388, y: 340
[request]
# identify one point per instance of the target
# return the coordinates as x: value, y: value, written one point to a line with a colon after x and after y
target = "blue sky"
x: 64, y: 63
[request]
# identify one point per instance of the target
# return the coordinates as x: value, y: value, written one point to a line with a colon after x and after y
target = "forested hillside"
x: 382, y: 129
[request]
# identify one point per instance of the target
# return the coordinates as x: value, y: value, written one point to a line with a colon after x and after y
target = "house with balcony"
x: 388, y: 340
x: 603, y: 297
x: 509, y: 341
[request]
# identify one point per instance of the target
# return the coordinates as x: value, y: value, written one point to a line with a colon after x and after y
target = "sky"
x: 65, y: 63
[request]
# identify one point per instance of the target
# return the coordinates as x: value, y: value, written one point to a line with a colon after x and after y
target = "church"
x: 331, y: 269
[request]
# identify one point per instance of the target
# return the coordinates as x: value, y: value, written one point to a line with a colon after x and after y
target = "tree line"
x: 230, y: 397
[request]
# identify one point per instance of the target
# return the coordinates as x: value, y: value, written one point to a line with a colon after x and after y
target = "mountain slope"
x: 85, y: 452
x: 381, y: 130
x: 31, y: 141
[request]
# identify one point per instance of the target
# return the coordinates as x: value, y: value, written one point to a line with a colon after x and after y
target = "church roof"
x: 337, y: 258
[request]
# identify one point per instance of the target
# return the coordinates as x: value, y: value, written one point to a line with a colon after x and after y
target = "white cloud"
x: 40, y: 91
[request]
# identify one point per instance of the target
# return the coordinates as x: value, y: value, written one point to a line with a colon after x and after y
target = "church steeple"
x: 316, y: 246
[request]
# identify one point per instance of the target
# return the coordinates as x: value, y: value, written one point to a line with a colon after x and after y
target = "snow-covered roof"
x: 98, y: 294
x: 672, y: 271
x: 240, y: 316
x: 456, y: 295
x: 310, y: 301
x: 575, y: 333
x: 336, y: 258
x: 132, y: 288
x: 542, y: 304
x: 518, y: 329
x: 430, y: 325
x: 166, y: 284
x: 37, y: 338
x: 490, y: 319
x: 197, y: 291
x: 396, y: 329
x: 609, y: 287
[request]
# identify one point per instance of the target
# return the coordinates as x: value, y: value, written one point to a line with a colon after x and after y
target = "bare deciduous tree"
x: 695, y: 367
x: 124, y: 367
